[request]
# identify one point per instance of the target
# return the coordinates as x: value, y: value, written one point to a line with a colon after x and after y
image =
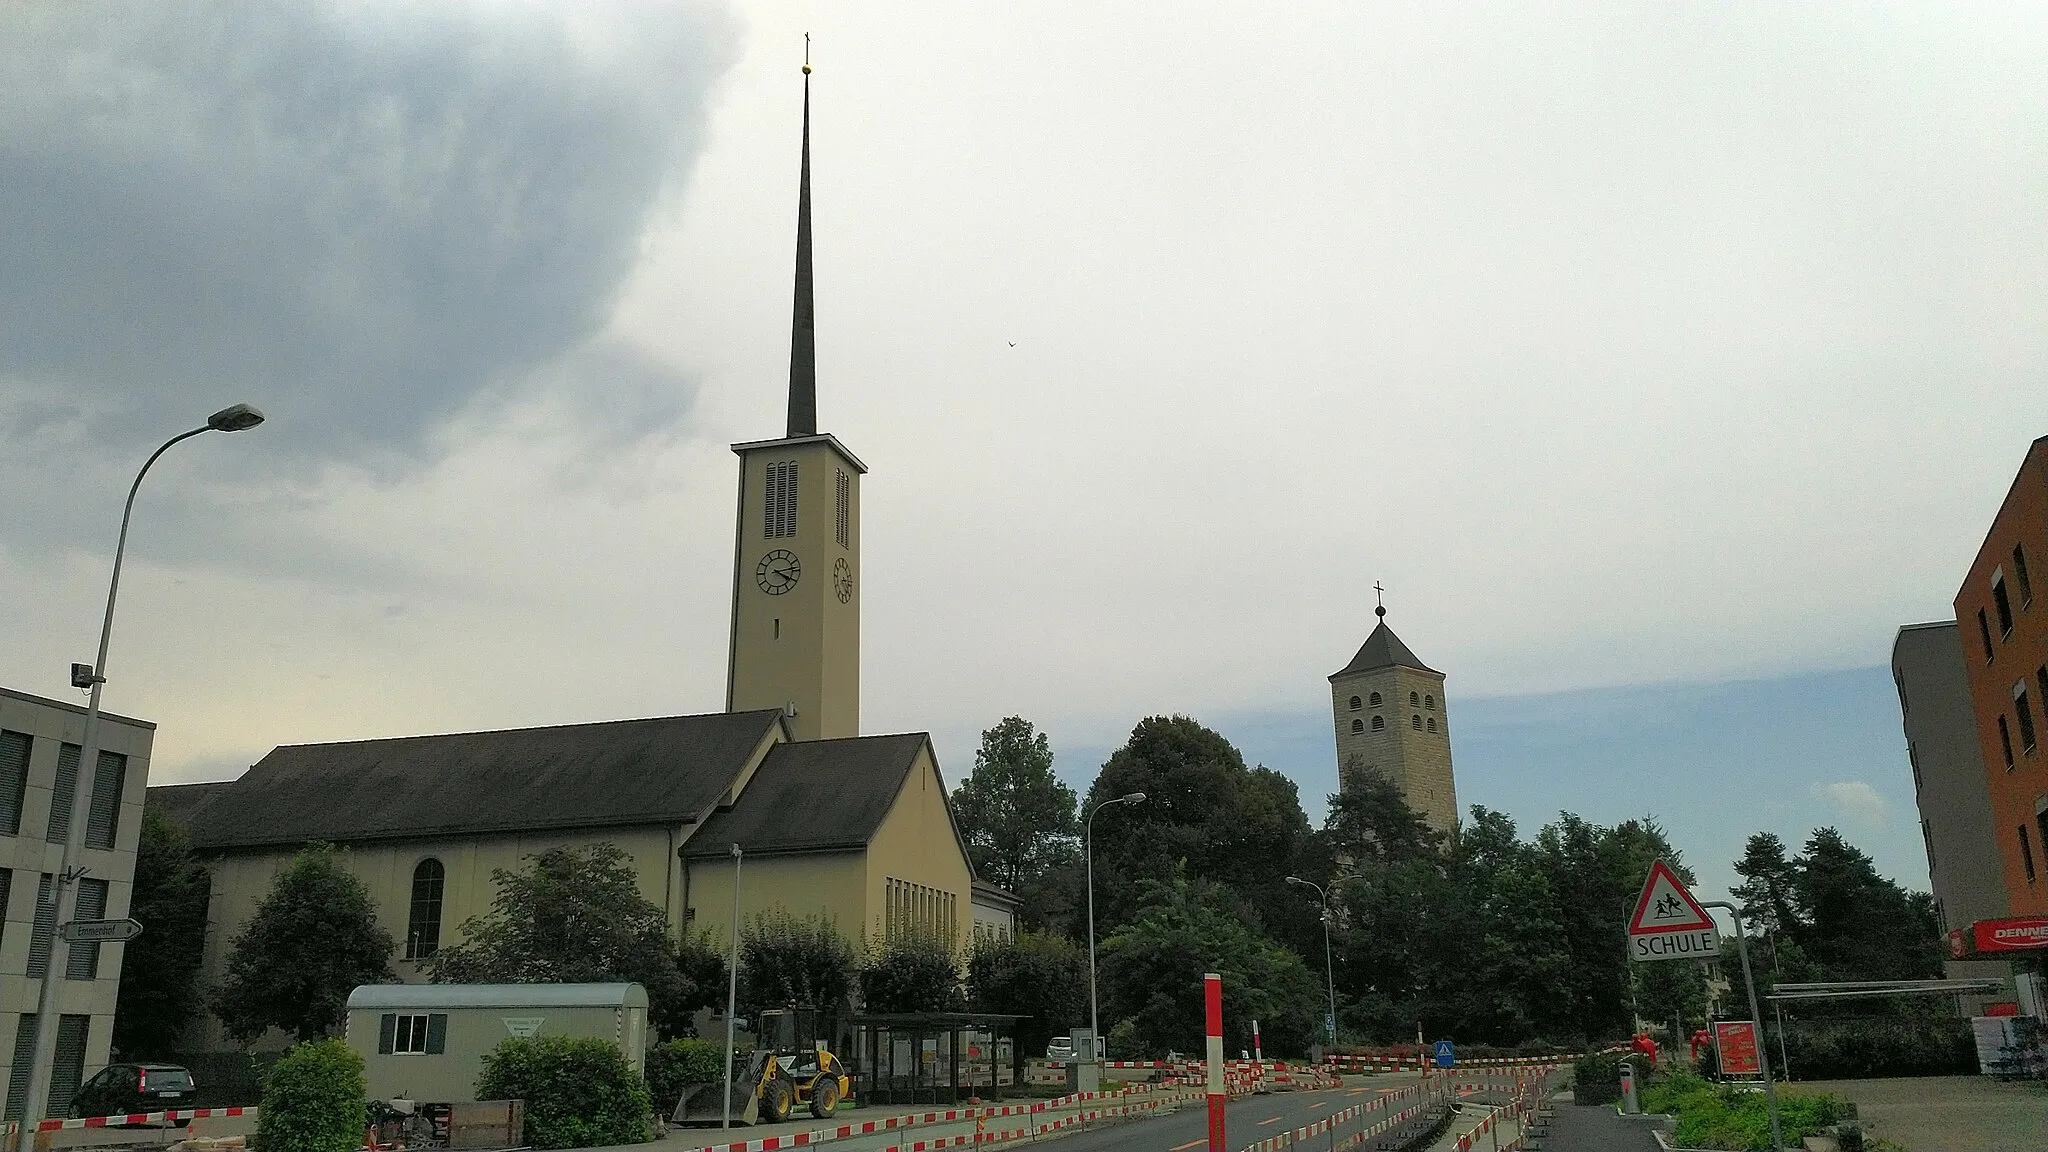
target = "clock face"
x: 777, y: 572
x: 842, y: 579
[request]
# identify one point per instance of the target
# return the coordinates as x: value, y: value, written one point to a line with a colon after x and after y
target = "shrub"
x: 676, y: 1063
x: 912, y: 974
x: 1739, y: 1119
x: 1596, y: 1078
x: 313, y: 1100
x: 578, y: 1090
x: 1877, y: 1046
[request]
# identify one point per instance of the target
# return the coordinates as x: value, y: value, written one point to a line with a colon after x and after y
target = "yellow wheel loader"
x: 773, y: 1081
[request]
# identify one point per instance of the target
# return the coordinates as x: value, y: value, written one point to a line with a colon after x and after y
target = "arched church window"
x: 1358, y: 725
x: 423, y: 925
x: 1413, y: 700
x: 1356, y: 703
x: 1379, y: 723
x: 1376, y: 700
x: 1429, y: 702
x: 1432, y: 723
x: 1415, y: 721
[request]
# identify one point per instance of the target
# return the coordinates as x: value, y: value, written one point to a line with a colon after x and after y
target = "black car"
x: 120, y: 1089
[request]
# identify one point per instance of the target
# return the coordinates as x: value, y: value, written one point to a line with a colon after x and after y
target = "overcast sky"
x: 1629, y: 345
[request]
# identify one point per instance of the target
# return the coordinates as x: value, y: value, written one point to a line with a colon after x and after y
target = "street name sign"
x: 99, y: 931
x: 1668, y: 923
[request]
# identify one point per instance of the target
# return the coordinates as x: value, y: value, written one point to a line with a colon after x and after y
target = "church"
x: 829, y: 822
x: 1392, y: 718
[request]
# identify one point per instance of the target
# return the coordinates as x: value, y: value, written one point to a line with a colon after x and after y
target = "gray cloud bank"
x: 359, y: 218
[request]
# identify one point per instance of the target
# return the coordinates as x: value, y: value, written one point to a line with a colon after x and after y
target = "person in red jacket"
x: 1702, y: 1042
x: 1648, y: 1047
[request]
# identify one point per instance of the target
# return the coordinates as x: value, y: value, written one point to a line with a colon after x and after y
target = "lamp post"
x: 1088, y: 850
x: 1329, y: 969
x: 732, y: 985
x: 233, y: 419
x: 1756, y: 1020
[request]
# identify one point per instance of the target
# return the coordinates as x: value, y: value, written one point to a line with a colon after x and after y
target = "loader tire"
x: 776, y: 1097
x: 825, y: 1097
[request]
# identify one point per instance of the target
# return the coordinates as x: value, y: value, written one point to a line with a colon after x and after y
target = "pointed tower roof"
x: 1382, y: 649
x: 803, y: 354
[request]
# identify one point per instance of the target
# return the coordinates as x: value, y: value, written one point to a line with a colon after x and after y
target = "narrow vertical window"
x: 843, y: 503
x: 69, y: 1067
x: 1415, y: 721
x: 64, y: 795
x: 2005, y: 741
x: 1379, y: 723
x: 14, y: 749
x: 1984, y: 629
x: 2024, y: 711
x: 102, y: 820
x: 2019, y: 573
x: 1356, y: 703
x: 1358, y: 725
x: 2003, y: 603
x: 423, y: 924
x: 17, y: 1075
x: 1913, y: 758
x: 778, y: 503
x: 44, y: 930
x: 82, y: 961
x: 2026, y: 854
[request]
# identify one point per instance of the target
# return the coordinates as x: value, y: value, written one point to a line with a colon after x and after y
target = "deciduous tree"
x: 1039, y: 976
x: 1015, y: 814
x: 160, y: 990
x: 314, y: 938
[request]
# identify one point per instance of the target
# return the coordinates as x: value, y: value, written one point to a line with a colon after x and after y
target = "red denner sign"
x: 2017, y: 934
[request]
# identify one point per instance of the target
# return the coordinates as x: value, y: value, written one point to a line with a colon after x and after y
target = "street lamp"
x: 238, y: 418
x: 1088, y: 850
x: 1329, y: 970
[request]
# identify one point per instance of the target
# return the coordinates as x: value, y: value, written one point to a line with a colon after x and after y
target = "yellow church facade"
x: 827, y: 822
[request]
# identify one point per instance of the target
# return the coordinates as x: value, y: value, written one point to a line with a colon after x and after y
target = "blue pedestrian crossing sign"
x: 1446, y: 1056
x: 1330, y: 1025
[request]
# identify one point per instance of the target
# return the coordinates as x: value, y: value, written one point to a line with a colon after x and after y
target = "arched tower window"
x: 1432, y: 723
x: 1356, y: 703
x: 1379, y: 723
x: 1413, y: 700
x: 1358, y: 725
x: 1415, y: 721
x: 1429, y: 702
x: 423, y: 925
x: 1376, y: 700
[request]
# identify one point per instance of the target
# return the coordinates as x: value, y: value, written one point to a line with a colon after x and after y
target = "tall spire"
x: 803, y: 351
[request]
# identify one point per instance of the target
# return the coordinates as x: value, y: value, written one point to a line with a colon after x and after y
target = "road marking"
x: 1269, y: 1120
x: 1188, y: 1145
x: 1320, y: 1104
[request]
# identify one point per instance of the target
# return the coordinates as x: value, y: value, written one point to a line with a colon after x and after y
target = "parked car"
x: 120, y: 1089
x: 1061, y: 1048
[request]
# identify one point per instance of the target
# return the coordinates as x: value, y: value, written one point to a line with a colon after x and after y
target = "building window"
x: 1432, y: 723
x: 1376, y: 701
x: 843, y: 505
x: 1415, y: 721
x: 2000, y: 601
x: 103, y: 818
x: 1358, y: 725
x: 778, y: 504
x: 68, y: 1067
x: 2019, y: 573
x: 82, y: 961
x: 2026, y: 854
x: 2024, y: 711
x: 2041, y: 820
x: 413, y: 1033
x: 1429, y: 702
x: 14, y: 749
x: 1356, y: 703
x: 1379, y: 723
x: 1913, y: 758
x: 1984, y: 629
x: 44, y: 929
x: 1899, y: 681
x: 423, y: 925
x: 1927, y: 840
x: 1413, y: 700
x: 2005, y: 742
x: 64, y: 794
x: 17, y: 1079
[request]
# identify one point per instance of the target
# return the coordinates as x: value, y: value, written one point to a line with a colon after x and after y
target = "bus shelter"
x: 936, y: 1057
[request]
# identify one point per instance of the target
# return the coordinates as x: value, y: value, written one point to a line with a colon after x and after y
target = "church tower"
x: 796, y: 547
x: 1392, y: 719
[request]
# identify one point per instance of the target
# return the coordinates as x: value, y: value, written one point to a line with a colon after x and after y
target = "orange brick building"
x: 2002, y: 610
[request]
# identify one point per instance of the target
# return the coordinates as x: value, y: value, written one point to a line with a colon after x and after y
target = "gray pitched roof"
x: 180, y: 803
x: 1382, y: 649
x: 654, y: 771
x: 812, y: 796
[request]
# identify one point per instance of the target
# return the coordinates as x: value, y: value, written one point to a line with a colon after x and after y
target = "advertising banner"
x: 1737, y: 1040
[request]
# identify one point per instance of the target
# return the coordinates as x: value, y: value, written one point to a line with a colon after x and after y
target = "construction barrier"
x: 137, y: 1119
x: 1139, y: 1098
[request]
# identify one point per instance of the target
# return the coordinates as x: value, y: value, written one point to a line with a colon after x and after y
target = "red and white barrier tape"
x: 136, y: 1118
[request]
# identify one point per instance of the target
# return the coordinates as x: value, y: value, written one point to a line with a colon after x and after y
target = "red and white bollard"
x: 1212, y: 996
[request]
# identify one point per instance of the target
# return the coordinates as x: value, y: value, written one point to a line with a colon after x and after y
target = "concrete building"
x: 2001, y: 609
x: 1949, y: 786
x: 855, y: 828
x: 1392, y: 718
x: 40, y: 746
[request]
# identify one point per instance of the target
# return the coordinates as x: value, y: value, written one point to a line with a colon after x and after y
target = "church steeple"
x: 803, y: 356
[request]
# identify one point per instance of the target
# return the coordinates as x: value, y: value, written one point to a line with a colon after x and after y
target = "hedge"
x: 1860, y: 1048
x: 313, y: 1100
x: 676, y: 1063
x: 1733, y: 1118
x: 579, y: 1091
x: 1596, y: 1079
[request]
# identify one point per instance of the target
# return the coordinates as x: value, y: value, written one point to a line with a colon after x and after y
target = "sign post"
x: 1212, y: 1004
x: 1763, y: 1058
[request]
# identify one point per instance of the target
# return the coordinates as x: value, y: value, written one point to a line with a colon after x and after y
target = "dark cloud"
x: 358, y: 219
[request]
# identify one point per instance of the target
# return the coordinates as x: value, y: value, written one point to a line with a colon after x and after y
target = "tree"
x: 160, y: 991
x: 1016, y: 816
x: 787, y: 962
x: 573, y: 916
x: 1371, y: 820
x: 579, y: 1090
x: 314, y: 938
x: 1767, y: 888
x: 913, y: 973
x: 1857, y: 925
x: 1039, y: 976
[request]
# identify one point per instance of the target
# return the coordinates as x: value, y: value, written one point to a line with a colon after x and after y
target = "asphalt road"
x: 1250, y: 1118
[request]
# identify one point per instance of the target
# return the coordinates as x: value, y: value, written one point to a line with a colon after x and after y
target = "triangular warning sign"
x: 1665, y: 905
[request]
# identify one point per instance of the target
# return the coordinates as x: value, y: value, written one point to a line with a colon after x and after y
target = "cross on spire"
x: 1379, y: 595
